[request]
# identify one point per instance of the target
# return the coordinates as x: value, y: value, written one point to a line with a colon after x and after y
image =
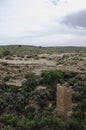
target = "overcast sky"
x: 43, y: 22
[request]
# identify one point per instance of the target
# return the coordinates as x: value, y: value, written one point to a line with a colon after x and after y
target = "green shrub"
x: 9, y: 119
x: 51, y: 77
x: 76, y: 97
x: 73, y: 124
x: 30, y: 83
x: 71, y: 81
x: 7, y: 78
x: 6, y: 53
x: 8, y: 127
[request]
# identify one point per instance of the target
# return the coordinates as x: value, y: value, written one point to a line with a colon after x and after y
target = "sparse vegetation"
x: 31, y: 106
x: 6, y: 53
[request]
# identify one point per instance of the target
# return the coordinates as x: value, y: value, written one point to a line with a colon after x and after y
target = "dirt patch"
x: 13, y: 70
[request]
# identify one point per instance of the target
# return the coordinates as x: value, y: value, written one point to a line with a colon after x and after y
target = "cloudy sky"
x: 43, y: 22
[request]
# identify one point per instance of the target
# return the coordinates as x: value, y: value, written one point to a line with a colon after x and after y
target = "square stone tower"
x: 64, y: 100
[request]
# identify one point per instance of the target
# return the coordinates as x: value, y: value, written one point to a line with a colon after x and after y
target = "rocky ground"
x: 13, y: 68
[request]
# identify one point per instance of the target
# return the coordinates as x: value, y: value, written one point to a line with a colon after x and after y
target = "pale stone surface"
x: 64, y: 100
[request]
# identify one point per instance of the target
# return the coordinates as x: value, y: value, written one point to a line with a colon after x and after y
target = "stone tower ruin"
x: 64, y: 100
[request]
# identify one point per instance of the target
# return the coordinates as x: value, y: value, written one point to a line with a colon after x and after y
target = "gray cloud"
x: 54, y: 2
x: 76, y: 20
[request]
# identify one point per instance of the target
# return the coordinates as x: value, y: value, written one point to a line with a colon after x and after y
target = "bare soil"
x: 13, y: 70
